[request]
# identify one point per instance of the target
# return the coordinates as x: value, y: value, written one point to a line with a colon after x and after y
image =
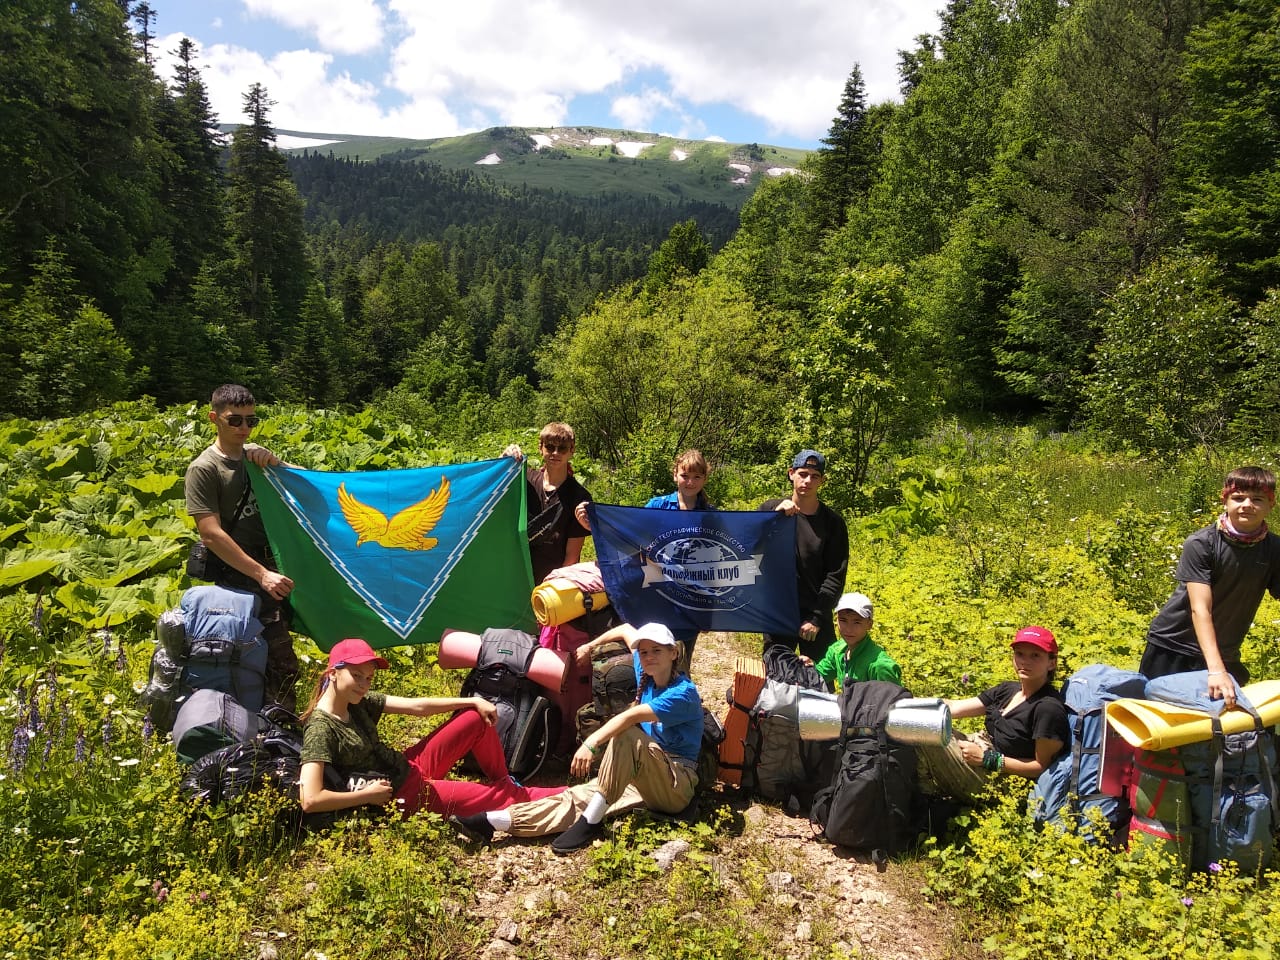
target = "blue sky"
x: 769, y: 71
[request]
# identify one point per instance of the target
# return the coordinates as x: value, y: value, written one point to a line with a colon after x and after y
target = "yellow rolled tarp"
x: 560, y: 600
x: 1151, y: 725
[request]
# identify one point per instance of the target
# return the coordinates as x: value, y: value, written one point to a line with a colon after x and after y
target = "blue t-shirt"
x: 671, y: 501
x: 678, y: 729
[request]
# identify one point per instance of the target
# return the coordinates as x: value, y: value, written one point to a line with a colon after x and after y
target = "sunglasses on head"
x: 238, y: 420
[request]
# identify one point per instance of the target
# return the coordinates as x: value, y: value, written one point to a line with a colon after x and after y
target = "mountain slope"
x: 579, y: 161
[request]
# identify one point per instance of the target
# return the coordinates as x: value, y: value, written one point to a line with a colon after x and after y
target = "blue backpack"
x: 213, y: 641
x: 1230, y: 780
x: 1070, y: 787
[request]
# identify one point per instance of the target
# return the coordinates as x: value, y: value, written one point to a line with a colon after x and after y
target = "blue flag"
x: 699, y: 569
x: 396, y: 556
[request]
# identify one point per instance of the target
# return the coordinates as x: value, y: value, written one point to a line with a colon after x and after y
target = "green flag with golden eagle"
x: 396, y: 556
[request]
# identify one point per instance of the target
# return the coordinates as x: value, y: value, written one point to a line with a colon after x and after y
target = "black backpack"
x: 528, y: 724
x: 785, y: 666
x: 270, y: 761
x: 873, y: 802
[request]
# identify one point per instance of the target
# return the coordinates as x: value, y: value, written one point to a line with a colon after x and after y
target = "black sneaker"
x: 580, y: 835
x: 475, y: 827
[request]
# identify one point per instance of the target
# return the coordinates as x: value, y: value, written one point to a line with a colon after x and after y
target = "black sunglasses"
x: 238, y: 420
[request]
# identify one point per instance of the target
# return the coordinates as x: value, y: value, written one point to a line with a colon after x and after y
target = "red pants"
x: 431, y: 759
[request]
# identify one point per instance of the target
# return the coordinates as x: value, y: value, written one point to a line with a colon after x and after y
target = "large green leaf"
x: 154, y: 485
x: 15, y: 573
x: 95, y: 607
x: 107, y: 563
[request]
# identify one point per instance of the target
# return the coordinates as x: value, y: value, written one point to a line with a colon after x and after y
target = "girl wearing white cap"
x: 648, y: 754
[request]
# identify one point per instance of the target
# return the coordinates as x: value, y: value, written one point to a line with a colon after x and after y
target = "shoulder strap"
x: 244, y: 499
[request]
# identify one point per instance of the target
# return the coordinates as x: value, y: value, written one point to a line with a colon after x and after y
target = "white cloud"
x: 308, y: 95
x: 783, y: 62
x: 339, y: 26
x: 449, y: 68
x: 637, y: 111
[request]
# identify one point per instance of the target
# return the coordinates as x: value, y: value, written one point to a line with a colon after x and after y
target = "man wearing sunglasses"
x: 555, y: 535
x: 220, y: 500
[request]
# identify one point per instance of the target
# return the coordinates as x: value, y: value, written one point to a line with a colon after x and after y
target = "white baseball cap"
x: 859, y: 603
x: 656, y: 632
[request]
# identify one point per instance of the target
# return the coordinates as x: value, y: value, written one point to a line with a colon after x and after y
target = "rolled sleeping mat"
x: 560, y: 600
x: 926, y: 725
x: 1152, y: 725
x: 819, y: 715
x: 748, y: 681
x: 459, y: 650
x: 547, y: 668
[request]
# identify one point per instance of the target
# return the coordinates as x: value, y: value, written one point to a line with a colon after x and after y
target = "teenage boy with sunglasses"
x: 555, y: 535
x: 221, y: 501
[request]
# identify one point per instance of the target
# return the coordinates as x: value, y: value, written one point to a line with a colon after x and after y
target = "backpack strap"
x: 1219, y: 747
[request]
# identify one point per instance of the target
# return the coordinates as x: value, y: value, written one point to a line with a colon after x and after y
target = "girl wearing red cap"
x: 342, y: 732
x: 1026, y: 723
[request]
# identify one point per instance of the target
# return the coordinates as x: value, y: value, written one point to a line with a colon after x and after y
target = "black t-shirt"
x: 1237, y: 576
x: 551, y: 521
x: 822, y: 560
x: 1043, y: 716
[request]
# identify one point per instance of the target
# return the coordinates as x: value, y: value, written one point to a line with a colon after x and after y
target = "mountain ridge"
x: 577, y: 160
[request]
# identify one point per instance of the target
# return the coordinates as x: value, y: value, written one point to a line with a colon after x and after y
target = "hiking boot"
x: 580, y: 835
x: 474, y: 827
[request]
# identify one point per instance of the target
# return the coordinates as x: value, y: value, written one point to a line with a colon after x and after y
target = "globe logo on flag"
x: 706, y: 571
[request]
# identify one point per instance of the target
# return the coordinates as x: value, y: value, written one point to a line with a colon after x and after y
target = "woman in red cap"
x: 1026, y: 723
x: 342, y: 732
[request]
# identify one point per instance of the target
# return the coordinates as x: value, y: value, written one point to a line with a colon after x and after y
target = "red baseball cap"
x: 351, y: 651
x: 1041, y: 637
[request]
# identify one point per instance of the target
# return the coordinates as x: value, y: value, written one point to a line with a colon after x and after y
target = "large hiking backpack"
x: 1215, y: 799
x: 269, y: 761
x: 528, y: 724
x: 872, y: 801
x: 213, y: 641
x: 777, y: 764
x: 1071, y: 786
x: 784, y: 665
x: 613, y: 687
x: 209, y: 720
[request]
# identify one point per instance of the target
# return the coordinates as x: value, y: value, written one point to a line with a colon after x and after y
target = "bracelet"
x: 1217, y: 673
x: 595, y: 751
x: 993, y: 760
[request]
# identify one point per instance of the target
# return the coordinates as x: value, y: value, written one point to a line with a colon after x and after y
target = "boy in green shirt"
x: 855, y: 656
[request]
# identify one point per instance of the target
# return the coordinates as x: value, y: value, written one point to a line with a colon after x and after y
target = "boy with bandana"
x: 1223, y: 572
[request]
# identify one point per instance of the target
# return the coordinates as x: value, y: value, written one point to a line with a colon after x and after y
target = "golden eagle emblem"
x: 407, y: 530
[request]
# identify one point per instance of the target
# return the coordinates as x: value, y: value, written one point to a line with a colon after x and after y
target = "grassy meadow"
x: 964, y: 537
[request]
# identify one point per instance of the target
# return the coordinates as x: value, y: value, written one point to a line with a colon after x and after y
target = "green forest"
x: 1030, y: 311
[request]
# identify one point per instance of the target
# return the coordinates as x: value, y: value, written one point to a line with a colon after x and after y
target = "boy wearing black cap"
x: 822, y: 557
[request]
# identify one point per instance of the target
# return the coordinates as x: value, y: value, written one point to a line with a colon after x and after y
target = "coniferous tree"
x: 264, y: 220
x: 845, y: 163
x: 1229, y: 155
x: 1085, y: 177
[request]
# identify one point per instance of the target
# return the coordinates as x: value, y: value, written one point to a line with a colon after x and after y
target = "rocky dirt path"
x: 874, y: 913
